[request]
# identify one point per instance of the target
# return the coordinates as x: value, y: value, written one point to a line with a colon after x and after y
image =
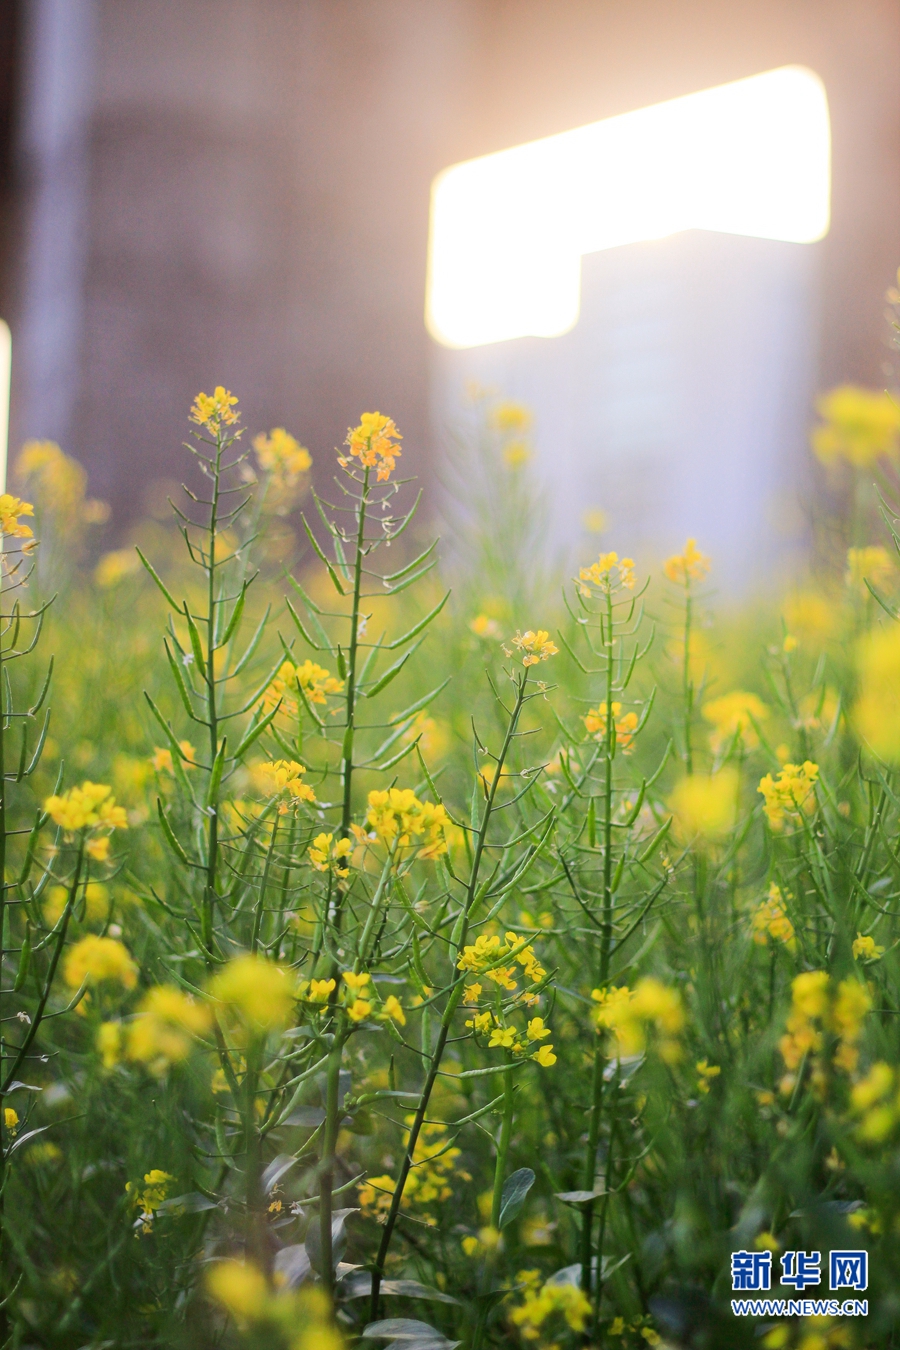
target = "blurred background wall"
x: 237, y: 191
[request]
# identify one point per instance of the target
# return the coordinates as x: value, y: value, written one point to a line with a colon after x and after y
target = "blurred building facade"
x: 237, y: 191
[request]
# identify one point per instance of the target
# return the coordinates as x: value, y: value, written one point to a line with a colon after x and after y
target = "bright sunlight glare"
x: 508, y: 230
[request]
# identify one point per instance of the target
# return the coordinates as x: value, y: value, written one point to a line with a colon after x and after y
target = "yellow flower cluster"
x: 261, y: 992
x: 771, y: 921
x: 60, y: 484
x: 626, y: 725
x: 618, y: 1327
x: 11, y: 508
x: 357, y: 995
x: 150, y: 1196
x: 485, y: 627
x: 95, y: 960
x: 876, y: 714
x: 506, y: 1037
x: 161, y: 759
x: 163, y: 1032
x: 544, y: 1305
x: 398, y: 818
x: 215, y: 411
x: 282, y: 456
x: 816, y: 1009
x: 691, y: 565
x: 281, y: 778
x: 485, y: 954
x: 704, y: 808
x: 96, y: 903
x: 706, y: 1072
x: 876, y: 1100
x: 373, y: 443
x: 866, y: 948
x: 536, y: 646
x: 89, y: 807
x: 733, y: 715
x: 858, y: 425
x: 316, y: 683
x: 511, y: 419
x: 608, y: 572
x: 868, y: 564
x: 115, y: 566
x: 428, y: 1181
x: 791, y: 795
x: 323, y: 855
x: 630, y: 1014
x: 303, y: 1317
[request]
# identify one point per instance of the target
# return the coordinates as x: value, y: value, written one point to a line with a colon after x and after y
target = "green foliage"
x: 443, y: 975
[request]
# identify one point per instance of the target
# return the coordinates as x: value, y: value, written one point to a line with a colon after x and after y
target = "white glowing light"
x: 508, y: 230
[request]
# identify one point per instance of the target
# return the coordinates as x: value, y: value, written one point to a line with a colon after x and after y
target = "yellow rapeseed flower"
x: 282, y: 456
x: 607, y: 573
x: 109, y: 1043
x: 397, y: 817
x: 791, y: 795
x: 322, y: 855
x: 595, y: 724
x: 704, y: 808
x: 691, y: 565
x: 163, y: 1032
x: 484, y: 627
x: 281, y: 779
x: 315, y: 681
x: 536, y: 646
x: 876, y: 713
x: 771, y: 921
x: 11, y: 1119
x: 262, y: 992
x: 511, y: 418
x: 706, y: 1073
x: 858, y: 425
x: 11, y: 508
x: 215, y: 411
x: 114, y: 566
x: 239, y: 1287
x: 865, y: 948
x: 810, y: 615
x: 373, y: 443
x: 95, y: 960
x: 872, y: 564
x: 392, y: 1008
x: 161, y: 759
x: 88, y: 807
x: 733, y: 715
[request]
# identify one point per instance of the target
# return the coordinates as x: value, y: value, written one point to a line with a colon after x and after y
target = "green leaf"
x: 215, y: 777
x: 156, y: 577
x: 236, y: 614
x: 179, y: 681
x: 331, y: 572
x: 390, y: 674
x: 515, y: 1189
x: 170, y: 835
x: 416, y: 630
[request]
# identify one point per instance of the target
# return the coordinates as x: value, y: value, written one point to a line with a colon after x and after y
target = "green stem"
x: 496, y: 1204
x: 456, y: 993
x: 264, y: 881
x: 212, y: 712
x: 687, y: 683
x: 347, y: 760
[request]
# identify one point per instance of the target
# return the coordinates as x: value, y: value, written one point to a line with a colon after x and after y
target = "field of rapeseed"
x: 490, y: 968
